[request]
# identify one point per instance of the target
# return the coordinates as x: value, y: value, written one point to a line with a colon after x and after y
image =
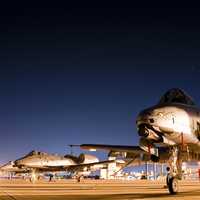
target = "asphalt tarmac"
x: 95, y: 189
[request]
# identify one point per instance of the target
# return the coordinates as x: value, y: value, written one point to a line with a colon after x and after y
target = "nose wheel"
x: 172, y: 184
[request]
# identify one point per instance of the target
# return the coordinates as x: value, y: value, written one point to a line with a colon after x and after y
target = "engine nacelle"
x: 87, y: 158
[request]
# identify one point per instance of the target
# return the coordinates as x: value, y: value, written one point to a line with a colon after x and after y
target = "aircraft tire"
x: 172, y: 184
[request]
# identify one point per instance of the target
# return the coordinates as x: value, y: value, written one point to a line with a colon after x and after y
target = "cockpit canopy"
x: 176, y: 95
x: 36, y: 153
x: 32, y: 153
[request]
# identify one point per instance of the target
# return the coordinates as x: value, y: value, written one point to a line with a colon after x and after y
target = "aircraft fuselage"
x: 170, y: 124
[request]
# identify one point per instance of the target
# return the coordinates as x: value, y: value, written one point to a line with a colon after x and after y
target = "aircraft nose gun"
x: 147, y: 132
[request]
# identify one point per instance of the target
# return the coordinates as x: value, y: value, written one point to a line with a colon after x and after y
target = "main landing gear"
x: 33, y: 177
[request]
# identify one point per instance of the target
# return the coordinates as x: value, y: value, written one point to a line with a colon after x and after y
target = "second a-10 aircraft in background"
x: 169, y: 132
x: 37, y: 162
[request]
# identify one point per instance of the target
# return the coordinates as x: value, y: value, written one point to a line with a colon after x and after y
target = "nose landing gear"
x: 174, y: 172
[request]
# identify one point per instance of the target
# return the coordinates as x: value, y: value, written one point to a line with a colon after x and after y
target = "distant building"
x: 191, y: 170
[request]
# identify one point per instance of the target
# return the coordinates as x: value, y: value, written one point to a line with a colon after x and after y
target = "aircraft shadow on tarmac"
x: 193, y: 193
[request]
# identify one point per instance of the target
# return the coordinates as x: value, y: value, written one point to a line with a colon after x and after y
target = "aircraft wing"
x: 16, y: 171
x: 74, y: 168
x: 90, y: 166
x: 134, y: 154
x: 113, y: 148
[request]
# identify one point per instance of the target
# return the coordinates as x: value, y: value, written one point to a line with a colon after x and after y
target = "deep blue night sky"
x: 72, y: 75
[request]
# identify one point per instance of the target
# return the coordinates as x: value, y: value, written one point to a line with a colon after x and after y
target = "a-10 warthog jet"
x: 169, y: 132
x: 37, y: 162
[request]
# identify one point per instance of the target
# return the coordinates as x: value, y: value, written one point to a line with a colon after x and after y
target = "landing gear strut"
x: 33, y: 177
x: 174, y: 172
